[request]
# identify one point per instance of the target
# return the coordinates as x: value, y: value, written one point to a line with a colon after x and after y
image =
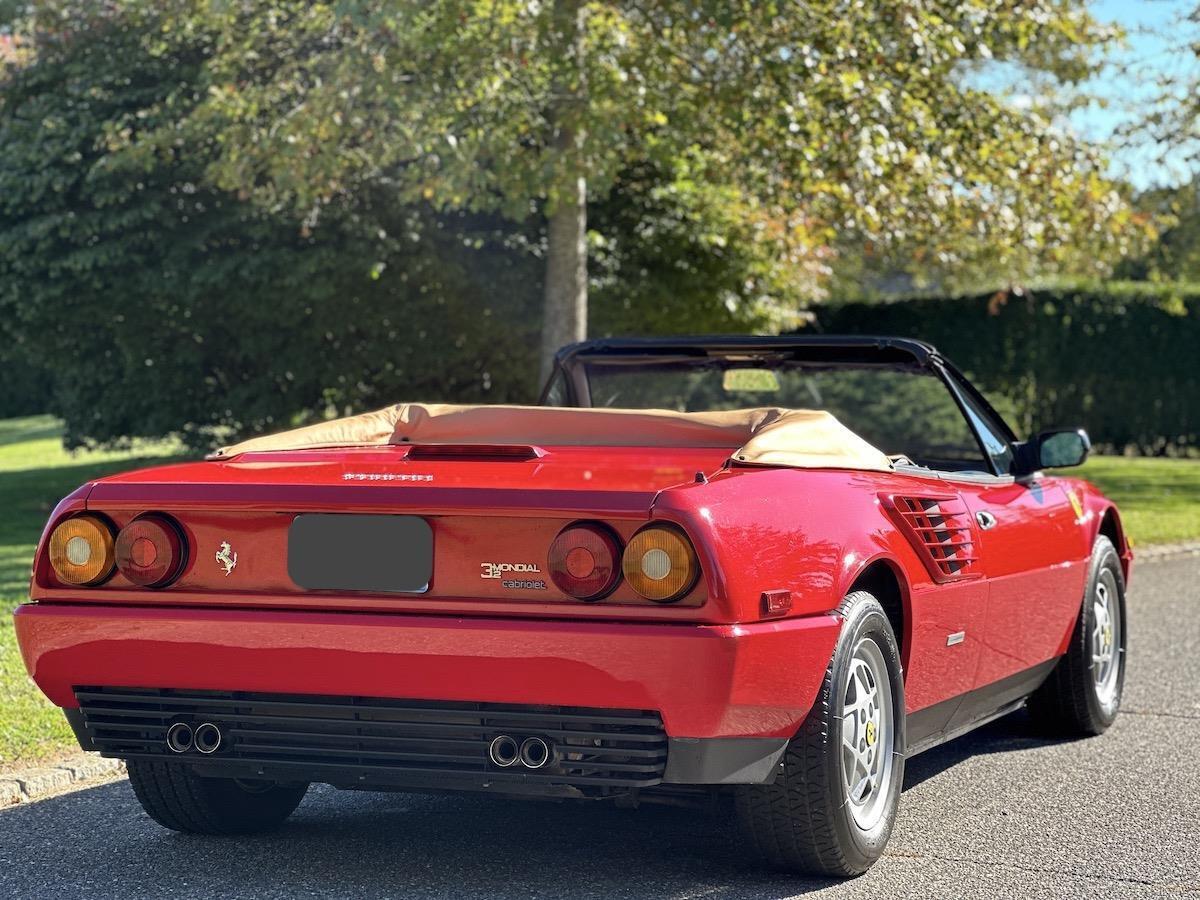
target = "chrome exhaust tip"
x: 208, y: 738
x: 179, y: 737
x: 504, y: 751
x: 535, y: 753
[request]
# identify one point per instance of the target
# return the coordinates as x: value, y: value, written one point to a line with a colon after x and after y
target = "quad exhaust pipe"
x: 208, y: 738
x: 535, y: 753
x: 504, y: 751
x: 205, y: 738
x: 180, y: 737
x: 532, y: 753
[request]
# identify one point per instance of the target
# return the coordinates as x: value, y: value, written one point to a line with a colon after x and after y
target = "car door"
x: 1033, y: 591
x: 1027, y: 533
x: 949, y: 609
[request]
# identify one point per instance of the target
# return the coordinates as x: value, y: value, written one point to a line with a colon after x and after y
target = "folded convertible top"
x: 770, y: 436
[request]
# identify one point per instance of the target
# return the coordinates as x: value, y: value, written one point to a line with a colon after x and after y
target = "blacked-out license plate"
x: 385, y: 554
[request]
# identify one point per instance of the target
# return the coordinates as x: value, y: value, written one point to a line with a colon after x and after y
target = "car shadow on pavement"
x: 1011, y: 733
x: 348, y: 844
x: 97, y: 842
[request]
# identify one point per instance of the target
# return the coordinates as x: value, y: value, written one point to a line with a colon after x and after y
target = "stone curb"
x: 1155, y: 552
x: 45, y: 781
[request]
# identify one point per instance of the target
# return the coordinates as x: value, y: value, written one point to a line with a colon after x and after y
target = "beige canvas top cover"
x: 769, y: 436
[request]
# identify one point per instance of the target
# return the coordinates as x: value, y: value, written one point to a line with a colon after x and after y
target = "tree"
x: 146, y: 301
x: 842, y: 119
x: 1165, y: 127
x: 160, y: 305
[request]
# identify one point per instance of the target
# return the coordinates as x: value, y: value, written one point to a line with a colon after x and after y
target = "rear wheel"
x: 177, y: 798
x: 1083, y: 694
x: 832, y: 807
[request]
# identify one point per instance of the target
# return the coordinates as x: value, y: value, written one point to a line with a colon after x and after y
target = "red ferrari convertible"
x: 766, y: 568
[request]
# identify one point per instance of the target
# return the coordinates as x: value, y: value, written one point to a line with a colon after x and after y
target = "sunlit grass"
x: 1159, y: 499
x: 35, y: 473
x: 31, y: 728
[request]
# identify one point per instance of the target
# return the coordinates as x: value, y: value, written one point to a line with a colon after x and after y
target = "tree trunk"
x: 564, y: 298
x: 565, y: 295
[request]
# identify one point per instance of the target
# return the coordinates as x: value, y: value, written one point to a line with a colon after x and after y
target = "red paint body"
x: 710, y: 663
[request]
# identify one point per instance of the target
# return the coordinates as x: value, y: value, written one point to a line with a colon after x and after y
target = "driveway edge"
x: 1155, y: 552
x: 67, y: 774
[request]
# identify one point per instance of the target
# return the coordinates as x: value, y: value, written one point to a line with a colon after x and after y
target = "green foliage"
x: 669, y: 247
x: 24, y: 382
x: 1164, y: 129
x: 168, y: 306
x: 1175, y: 256
x: 851, y: 122
x: 153, y: 303
x: 1119, y: 359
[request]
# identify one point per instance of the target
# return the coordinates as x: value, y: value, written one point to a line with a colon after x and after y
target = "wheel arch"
x: 884, y: 579
x: 1113, y: 529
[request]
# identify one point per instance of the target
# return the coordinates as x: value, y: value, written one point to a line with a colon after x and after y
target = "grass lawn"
x: 35, y: 473
x: 1159, y: 498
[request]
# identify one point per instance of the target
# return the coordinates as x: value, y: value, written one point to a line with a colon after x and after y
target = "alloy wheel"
x: 868, y: 735
x: 1106, y: 639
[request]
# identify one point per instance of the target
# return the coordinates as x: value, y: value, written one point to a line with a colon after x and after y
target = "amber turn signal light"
x: 81, y: 550
x: 660, y: 564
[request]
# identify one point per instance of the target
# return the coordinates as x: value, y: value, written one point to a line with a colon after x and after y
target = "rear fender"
x: 856, y: 570
x: 74, y: 502
x: 810, y: 532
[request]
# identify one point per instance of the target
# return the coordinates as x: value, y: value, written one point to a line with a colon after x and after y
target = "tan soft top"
x: 770, y: 436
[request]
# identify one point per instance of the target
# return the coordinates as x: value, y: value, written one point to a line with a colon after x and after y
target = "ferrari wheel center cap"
x: 870, y: 733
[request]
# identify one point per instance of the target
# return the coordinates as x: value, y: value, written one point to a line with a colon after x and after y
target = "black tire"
x: 804, y: 821
x: 1071, y: 702
x: 176, y: 798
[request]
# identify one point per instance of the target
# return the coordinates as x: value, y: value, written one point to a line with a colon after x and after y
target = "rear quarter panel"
x: 807, y: 531
x: 814, y: 532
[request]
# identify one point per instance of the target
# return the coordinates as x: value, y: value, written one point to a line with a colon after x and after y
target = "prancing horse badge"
x: 226, y: 557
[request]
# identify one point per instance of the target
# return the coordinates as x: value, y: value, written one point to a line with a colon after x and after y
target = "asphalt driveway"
x: 1000, y: 813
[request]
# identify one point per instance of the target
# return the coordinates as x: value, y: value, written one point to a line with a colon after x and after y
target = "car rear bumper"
x: 729, y: 696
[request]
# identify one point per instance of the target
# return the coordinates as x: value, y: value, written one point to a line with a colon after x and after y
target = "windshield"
x: 902, y: 410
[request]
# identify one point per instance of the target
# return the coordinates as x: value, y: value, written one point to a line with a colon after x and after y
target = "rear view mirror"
x: 1058, y: 449
x: 1054, y: 449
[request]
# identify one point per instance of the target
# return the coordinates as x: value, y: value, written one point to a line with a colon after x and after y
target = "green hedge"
x: 24, y: 382
x: 1123, y: 360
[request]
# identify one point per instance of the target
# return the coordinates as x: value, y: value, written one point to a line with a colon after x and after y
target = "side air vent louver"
x: 939, y: 528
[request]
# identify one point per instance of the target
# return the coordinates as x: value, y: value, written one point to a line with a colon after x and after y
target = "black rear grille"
x: 364, y: 741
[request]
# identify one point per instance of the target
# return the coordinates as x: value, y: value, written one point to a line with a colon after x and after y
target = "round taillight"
x: 81, y: 550
x: 660, y: 564
x: 583, y: 561
x: 151, y: 551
